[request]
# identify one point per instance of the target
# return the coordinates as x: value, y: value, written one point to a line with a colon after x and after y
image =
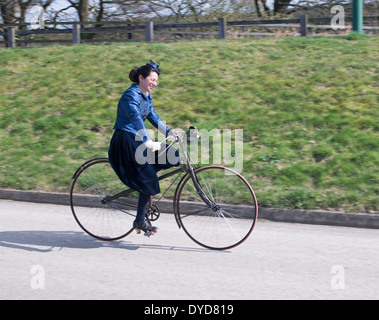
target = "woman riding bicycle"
x: 131, y: 136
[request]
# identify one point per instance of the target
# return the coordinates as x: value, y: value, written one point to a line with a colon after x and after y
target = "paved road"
x: 44, y: 255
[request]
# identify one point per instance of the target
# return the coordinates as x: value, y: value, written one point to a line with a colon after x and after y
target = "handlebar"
x: 178, y: 135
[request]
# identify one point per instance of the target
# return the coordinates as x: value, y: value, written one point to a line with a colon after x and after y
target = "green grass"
x: 308, y: 108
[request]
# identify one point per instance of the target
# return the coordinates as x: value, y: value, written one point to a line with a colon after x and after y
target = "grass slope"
x: 308, y: 108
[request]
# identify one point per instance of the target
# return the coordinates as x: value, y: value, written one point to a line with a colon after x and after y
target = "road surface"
x: 45, y: 255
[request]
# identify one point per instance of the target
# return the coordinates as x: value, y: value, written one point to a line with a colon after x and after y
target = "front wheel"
x: 229, y: 220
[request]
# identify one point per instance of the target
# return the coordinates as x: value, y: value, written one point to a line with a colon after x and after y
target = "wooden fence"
x: 150, y: 30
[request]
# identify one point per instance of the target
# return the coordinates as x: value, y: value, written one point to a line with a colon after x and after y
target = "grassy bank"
x: 308, y: 108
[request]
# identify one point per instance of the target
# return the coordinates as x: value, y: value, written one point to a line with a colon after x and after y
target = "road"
x: 45, y: 255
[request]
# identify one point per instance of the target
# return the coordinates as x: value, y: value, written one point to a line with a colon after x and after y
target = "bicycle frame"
x: 186, y: 167
x: 127, y: 192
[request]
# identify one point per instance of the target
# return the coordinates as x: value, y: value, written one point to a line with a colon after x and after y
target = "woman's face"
x: 149, y: 83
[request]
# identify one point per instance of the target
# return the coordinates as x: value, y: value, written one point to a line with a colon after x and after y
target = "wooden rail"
x: 151, y: 29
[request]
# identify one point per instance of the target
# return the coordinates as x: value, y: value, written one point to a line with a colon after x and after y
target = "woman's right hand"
x: 152, y: 145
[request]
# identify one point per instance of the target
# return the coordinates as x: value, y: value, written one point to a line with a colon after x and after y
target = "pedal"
x: 151, y: 232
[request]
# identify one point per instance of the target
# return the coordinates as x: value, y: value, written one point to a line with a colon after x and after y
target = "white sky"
x: 60, y: 4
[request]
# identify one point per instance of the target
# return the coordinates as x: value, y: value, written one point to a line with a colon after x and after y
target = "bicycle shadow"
x: 48, y: 241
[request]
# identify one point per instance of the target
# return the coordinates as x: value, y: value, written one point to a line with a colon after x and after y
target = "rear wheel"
x: 94, y: 206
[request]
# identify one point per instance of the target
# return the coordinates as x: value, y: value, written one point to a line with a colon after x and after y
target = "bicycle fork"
x: 211, y: 204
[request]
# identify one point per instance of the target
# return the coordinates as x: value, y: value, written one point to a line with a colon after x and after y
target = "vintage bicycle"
x: 214, y: 205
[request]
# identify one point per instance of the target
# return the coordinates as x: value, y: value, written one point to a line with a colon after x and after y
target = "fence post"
x: 11, y: 35
x: 149, y: 31
x: 222, y: 28
x: 76, y: 34
x: 358, y: 16
x: 130, y: 34
x: 304, y: 25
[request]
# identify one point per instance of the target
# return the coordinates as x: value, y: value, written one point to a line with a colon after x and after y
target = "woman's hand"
x: 173, y: 135
x: 152, y: 145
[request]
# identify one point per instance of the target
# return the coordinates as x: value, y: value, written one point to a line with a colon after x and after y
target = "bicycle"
x: 214, y: 205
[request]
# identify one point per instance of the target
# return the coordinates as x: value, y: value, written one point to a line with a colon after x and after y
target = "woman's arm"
x: 157, y: 122
x: 129, y: 108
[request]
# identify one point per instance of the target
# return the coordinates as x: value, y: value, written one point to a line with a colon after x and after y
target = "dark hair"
x: 144, y: 71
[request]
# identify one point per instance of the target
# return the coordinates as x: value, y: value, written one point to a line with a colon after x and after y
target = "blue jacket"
x: 133, y: 109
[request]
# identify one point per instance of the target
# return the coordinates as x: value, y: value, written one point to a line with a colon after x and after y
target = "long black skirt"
x: 137, y: 166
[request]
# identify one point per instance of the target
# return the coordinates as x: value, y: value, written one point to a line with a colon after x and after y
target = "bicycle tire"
x: 93, y: 183
x: 231, y: 219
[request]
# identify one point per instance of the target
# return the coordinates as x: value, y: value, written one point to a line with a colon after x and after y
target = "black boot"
x: 146, y: 227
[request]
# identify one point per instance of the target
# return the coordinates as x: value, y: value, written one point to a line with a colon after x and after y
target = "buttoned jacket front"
x: 134, y: 107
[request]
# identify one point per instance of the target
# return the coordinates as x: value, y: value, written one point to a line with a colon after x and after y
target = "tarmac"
x: 318, y: 217
x: 44, y: 255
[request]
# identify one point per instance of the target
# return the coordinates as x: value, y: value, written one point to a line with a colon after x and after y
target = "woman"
x: 131, y: 136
